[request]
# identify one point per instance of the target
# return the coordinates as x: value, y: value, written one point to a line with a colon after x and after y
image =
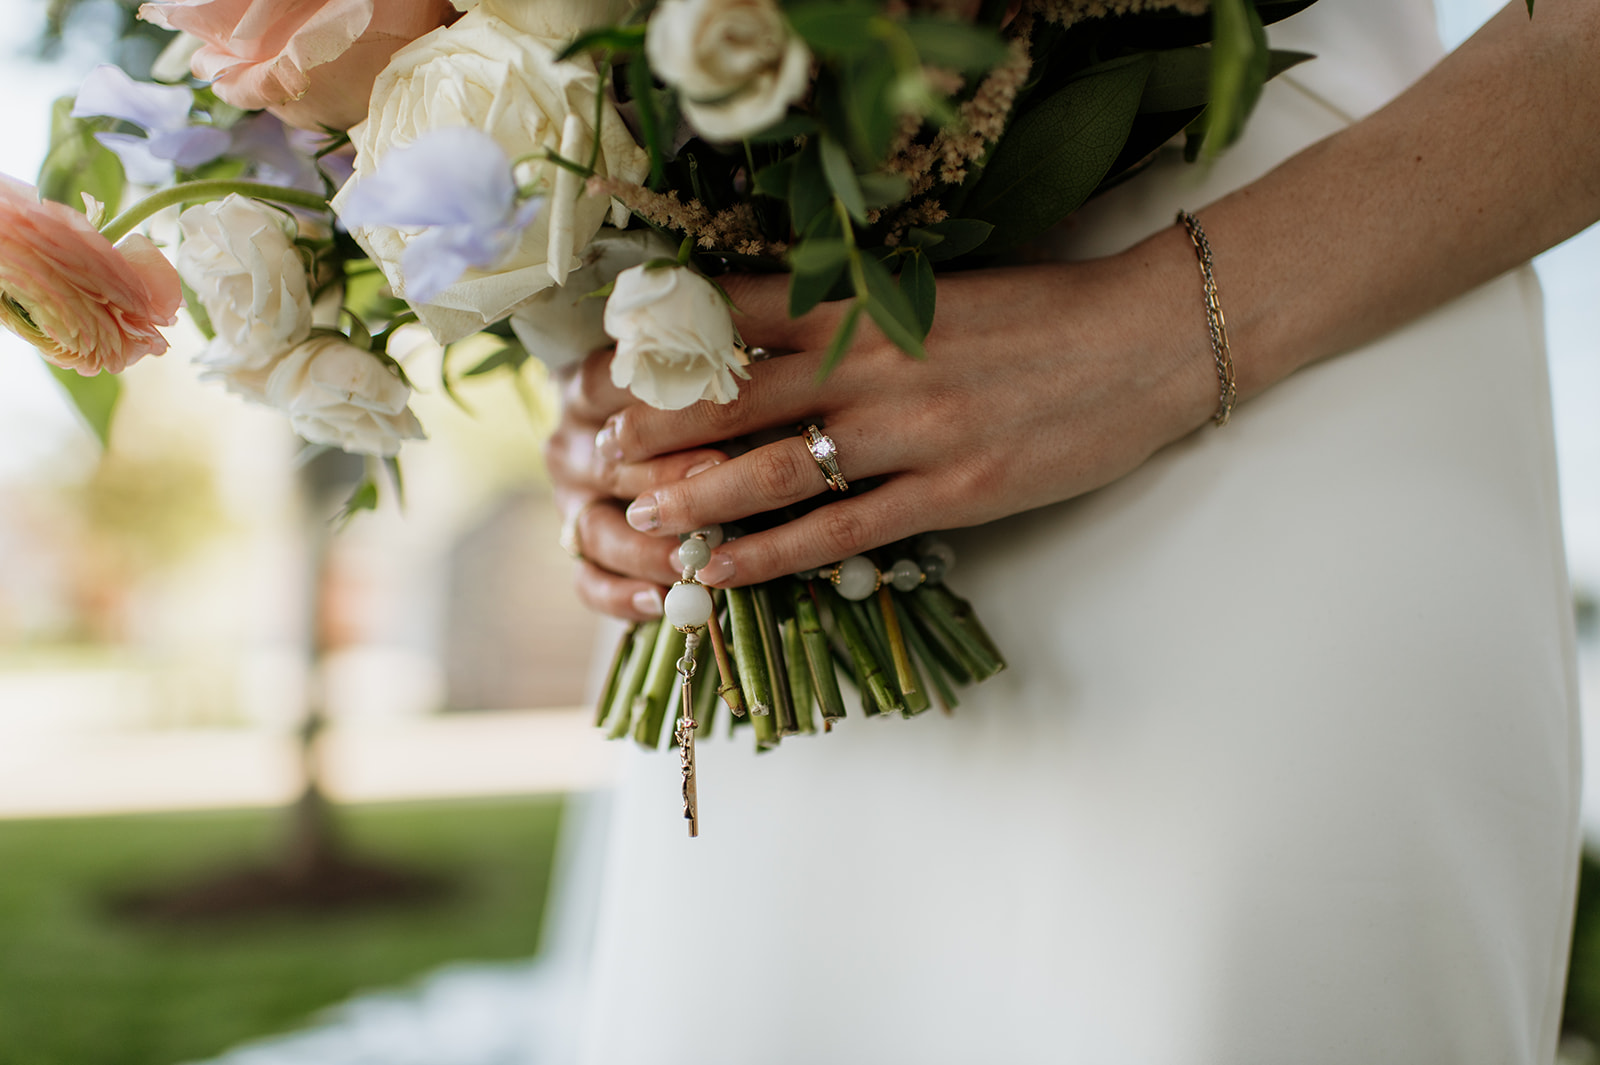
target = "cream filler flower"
x: 735, y: 63
x: 485, y: 73
x: 675, y: 338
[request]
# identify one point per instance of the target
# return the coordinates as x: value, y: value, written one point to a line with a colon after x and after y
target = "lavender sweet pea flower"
x: 273, y: 152
x: 455, y: 185
x: 163, y: 112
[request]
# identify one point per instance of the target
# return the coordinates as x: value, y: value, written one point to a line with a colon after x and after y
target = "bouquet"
x: 567, y: 175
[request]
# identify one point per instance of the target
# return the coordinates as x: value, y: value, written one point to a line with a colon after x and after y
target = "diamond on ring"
x: 826, y: 452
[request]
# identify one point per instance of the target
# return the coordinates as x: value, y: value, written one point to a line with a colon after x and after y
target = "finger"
x: 631, y: 479
x: 893, y: 511
x: 779, y: 391
x: 621, y: 597
x: 589, y: 395
x: 762, y: 314
x: 767, y: 478
x: 573, y: 461
x: 607, y: 541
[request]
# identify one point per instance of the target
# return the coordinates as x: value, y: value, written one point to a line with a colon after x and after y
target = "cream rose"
x: 675, y: 341
x: 735, y: 63
x: 561, y: 325
x: 341, y: 395
x: 486, y: 73
x: 239, y: 258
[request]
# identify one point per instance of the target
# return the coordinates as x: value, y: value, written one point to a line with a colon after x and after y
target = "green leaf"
x: 1238, y: 70
x: 944, y: 42
x: 1530, y: 8
x: 917, y: 282
x: 839, y: 29
x: 513, y: 355
x: 1054, y: 155
x: 808, y: 290
x: 883, y: 190
x: 808, y: 189
x: 891, y: 309
x: 94, y: 397
x: 77, y: 163
x: 644, y: 97
x: 840, y: 344
x: 1181, y: 78
x: 364, y: 497
x: 774, y: 180
x: 615, y: 38
x: 841, y: 175
x: 816, y: 256
x: 950, y: 239
x: 786, y: 128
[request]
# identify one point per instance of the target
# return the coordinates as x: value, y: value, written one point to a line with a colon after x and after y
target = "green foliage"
x: 1239, y: 68
x: 1056, y: 154
x: 838, y: 30
x: 1181, y: 77
x: 841, y: 177
x: 94, y: 397
x: 76, y: 163
x: 892, y: 310
x: 917, y: 282
x: 840, y: 344
x: 950, y: 239
x: 944, y: 42
x: 78, y: 985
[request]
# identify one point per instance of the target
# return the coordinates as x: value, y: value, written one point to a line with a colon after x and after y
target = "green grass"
x: 79, y: 986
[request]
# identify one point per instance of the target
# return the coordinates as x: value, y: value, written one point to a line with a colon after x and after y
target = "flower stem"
x: 199, y: 192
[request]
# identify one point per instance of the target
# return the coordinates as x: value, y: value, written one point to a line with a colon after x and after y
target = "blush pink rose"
x: 86, y: 305
x: 310, y: 62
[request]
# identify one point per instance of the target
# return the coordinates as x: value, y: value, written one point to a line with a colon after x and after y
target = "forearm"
x: 1491, y: 158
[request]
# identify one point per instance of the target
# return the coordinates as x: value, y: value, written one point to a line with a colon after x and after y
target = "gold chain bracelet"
x: 1215, y: 322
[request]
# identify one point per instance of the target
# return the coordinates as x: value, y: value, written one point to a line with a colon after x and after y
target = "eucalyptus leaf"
x: 840, y: 344
x: 950, y: 239
x: 816, y: 256
x: 806, y: 290
x: 808, y: 188
x: 944, y: 42
x: 1055, y: 155
x: 917, y: 282
x: 833, y: 29
x: 773, y: 180
x: 513, y: 355
x: 1238, y: 70
x: 891, y: 309
x: 883, y: 190
x: 76, y: 163
x: 1181, y: 78
x: 655, y: 140
x: 612, y: 38
x: 841, y: 175
x: 94, y: 397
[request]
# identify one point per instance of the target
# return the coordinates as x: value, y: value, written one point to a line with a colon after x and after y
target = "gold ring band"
x: 570, y: 541
x: 826, y: 453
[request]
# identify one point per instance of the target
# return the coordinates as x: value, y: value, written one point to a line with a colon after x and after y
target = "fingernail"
x: 648, y: 603
x: 644, y: 515
x: 606, y: 442
x: 702, y: 467
x: 718, y: 571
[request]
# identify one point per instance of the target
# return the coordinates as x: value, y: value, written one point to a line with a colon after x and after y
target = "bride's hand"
x: 1041, y: 382
x: 622, y: 571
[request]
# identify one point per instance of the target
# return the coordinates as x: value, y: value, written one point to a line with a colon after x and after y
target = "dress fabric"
x: 1284, y: 768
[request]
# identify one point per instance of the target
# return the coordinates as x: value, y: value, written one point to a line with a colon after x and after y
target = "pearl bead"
x: 712, y: 534
x: 688, y: 606
x: 858, y: 578
x: 694, y: 554
x: 905, y: 575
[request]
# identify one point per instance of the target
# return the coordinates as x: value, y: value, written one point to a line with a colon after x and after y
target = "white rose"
x: 486, y: 73
x: 239, y: 258
x: 735, y: 63
x: 562, y: 325
x: 675, y: 342
x: 338, y: 394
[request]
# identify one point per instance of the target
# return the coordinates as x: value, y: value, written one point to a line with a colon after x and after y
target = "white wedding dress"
x: 1283, y: 770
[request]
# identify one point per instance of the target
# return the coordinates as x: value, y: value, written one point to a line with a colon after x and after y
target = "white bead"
x: 688, y: 606
x: 858, y: 578
x: 905, y: 575
x: 711, y: 534
x: 694, y: 554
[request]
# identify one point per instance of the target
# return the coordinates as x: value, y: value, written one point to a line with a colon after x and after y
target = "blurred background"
x: 248, y: 770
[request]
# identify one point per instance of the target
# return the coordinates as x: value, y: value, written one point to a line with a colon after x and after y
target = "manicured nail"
x: 606, y: 442
x: 718, y: 571
x: 648, y: 603
x: 702, y: 467
x: 644, y: 515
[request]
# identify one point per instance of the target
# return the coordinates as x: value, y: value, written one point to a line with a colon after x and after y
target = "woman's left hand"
x: 1041, y: 382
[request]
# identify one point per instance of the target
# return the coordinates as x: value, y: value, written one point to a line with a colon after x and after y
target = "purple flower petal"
x: 455, y: 176
x: 139, y: 163
x: 264, y: 141
x: 190, y: 147
x: 108, y: 90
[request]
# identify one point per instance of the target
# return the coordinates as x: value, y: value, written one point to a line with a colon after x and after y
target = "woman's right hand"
x: 622, y: 572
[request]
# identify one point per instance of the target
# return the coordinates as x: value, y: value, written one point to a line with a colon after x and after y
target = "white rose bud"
x: 735, y: 63
x: 239, y: 258
x: 675, y: 342
x: 338, y: 394
x: 561, y: 325
x: 488, y: 74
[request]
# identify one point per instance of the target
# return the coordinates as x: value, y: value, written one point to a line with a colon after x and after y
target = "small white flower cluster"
x: 240, y: 260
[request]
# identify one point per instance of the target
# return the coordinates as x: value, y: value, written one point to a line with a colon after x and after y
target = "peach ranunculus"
x: 310, y: 62
x: 85, y: 304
